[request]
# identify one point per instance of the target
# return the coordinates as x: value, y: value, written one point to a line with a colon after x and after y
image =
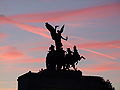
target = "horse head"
x: 82, y: 57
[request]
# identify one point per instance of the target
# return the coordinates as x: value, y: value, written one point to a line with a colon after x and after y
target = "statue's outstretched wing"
x: 49, y: 27
x: 61, y: 30
x: 52, y: 30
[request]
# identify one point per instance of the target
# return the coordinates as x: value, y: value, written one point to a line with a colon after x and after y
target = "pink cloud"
x: 20, y: 59
x: 115, y: 54
x: 98, y: 53
x: 45, y: 35
x: 29, y: 28
x: 96, y: 45
x: 12, y: 55
x: 3, y: 35
x: 102, y: 11
x: 42, y: 33
x: 7, y: 49
x: 21, y: 69
x: 99, y: 45
x: 37, y: 49
x: 101, y: 67
x: 69, y: 44
x: 30, y: 60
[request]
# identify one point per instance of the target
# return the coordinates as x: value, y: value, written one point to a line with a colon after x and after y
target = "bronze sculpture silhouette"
x: 59, y: 59
x: 58, y: 75
x: 56, y: 36
x: 50, y: 59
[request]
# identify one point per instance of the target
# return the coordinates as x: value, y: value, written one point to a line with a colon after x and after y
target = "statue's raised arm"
x: 61, y: 30
x: 56, y: 35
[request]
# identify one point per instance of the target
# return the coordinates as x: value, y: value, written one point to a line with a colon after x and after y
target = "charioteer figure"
x: 50, y: 59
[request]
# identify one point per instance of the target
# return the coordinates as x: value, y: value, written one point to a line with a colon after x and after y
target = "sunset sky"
x: 92, y: 25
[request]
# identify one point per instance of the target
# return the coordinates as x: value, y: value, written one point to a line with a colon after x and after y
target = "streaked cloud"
x: 42, y: 33
x: 89, y: 13
x: 37, y: 49
x: 26, y: 60
x: 100, y: 68
x: 10, y: 53
x: 29, y: 28
x: 101, y: 48
x: 3, y: 35
x: 101, y: 45
x: 92, y: 51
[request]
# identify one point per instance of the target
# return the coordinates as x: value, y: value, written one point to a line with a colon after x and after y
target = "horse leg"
x: 67, y: 66
x: 73, y: 65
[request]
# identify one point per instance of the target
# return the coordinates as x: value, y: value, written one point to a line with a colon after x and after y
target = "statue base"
x: 60, y: 80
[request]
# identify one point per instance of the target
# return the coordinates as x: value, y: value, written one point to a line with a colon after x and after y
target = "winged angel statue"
x: 56, y: 35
